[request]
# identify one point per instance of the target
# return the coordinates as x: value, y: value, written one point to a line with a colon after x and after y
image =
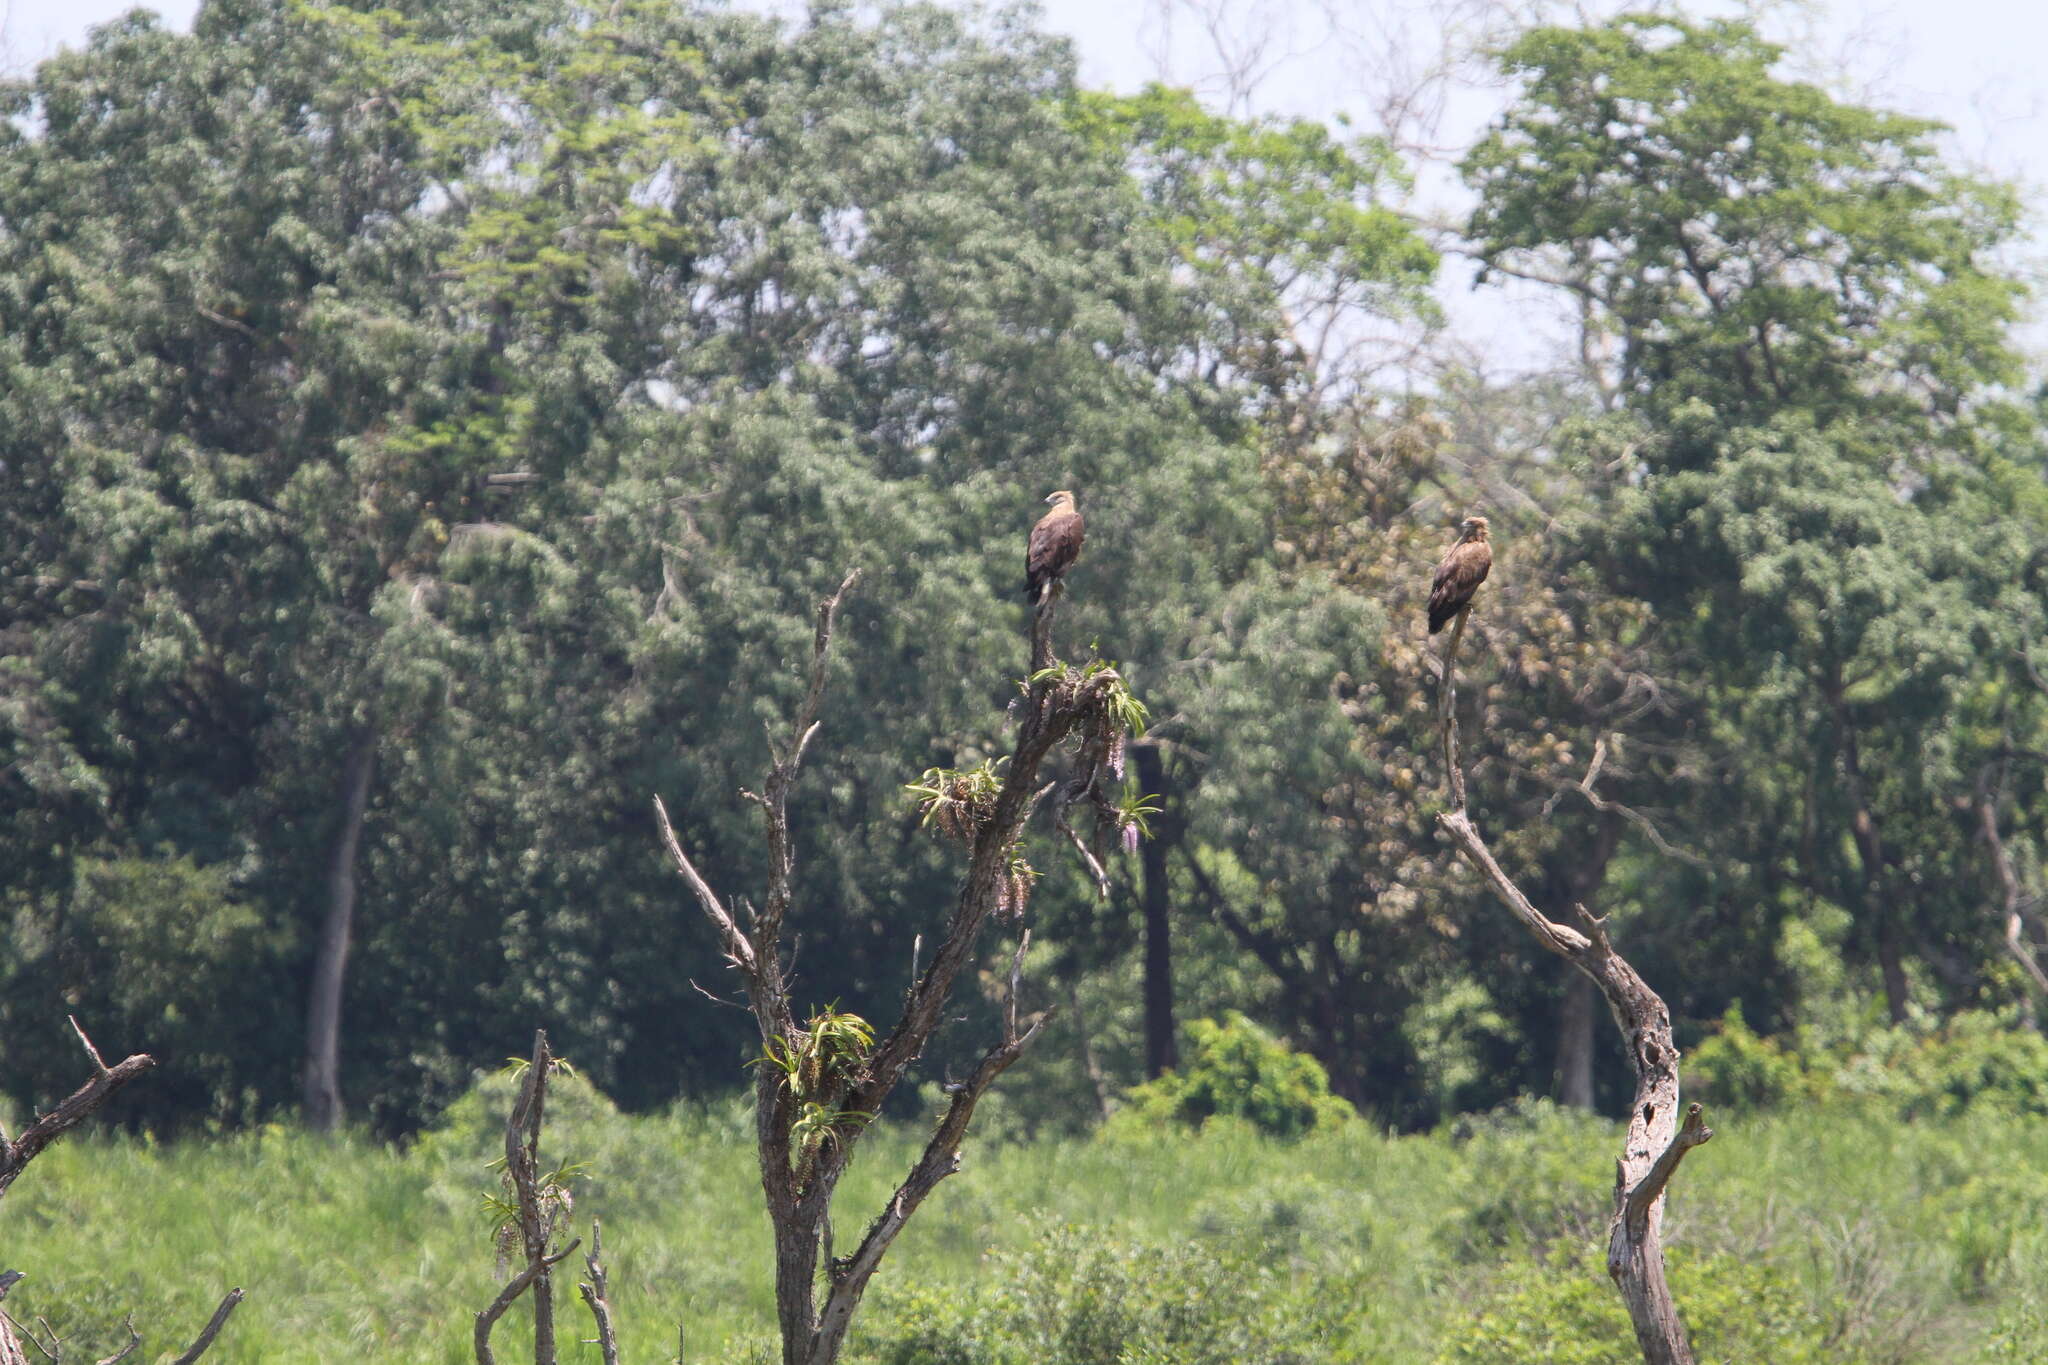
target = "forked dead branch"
x: 822, y: 1080
x: 15, y: 1154
x: 1656, y: 1140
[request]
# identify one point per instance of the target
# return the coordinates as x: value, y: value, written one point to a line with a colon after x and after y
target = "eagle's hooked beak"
x: 1052, y: 497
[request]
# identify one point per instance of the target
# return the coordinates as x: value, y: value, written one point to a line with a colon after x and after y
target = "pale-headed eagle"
x: 1055, y: 545
x: 1459, y: 574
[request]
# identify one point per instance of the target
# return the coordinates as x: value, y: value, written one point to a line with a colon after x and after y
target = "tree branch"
x: 1648, y: 1190
x: 1655, y: 1143
x: 1446, y: 706
x: 2009, y: 884
x: 15, y: 1155
x: 134, y: 1340
x: 207, y: 1333
x: 595, y: 1293
x: 514, y: 1287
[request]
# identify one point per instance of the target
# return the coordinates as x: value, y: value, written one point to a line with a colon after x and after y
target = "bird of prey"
x: 1055, y: 545
x: 1460, y: 572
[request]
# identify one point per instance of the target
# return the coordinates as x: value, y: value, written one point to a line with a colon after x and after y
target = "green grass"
x: 1886, y: 1241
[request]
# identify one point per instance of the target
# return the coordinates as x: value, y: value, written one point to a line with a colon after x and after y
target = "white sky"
x: 1976, y: 65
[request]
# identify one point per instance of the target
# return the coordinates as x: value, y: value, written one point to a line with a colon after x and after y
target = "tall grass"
x: 1902, y: 1242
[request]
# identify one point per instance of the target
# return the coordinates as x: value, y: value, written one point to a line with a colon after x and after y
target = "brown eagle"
x: 1055, y: 545
x: 1460, y: 572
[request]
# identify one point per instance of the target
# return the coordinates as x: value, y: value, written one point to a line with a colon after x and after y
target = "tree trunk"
x: 330, y: 962
x: 1656, y: 1140
x: 1161, y: 1049
x: 1870, y: 853
x: 796, y: 1279
x: 10, y: 1348
x: 1575, y: 1042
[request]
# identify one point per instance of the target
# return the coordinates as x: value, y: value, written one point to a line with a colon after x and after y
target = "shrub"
x: 1234, y: 1069
x: 1975, y: 1062
x: 1735, y: 1069
x: 1530, y: 1181
x: 1736, y: 1309
x: 1078, y: 1297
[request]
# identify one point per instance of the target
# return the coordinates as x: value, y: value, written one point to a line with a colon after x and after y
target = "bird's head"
x: 1064, y: 500
x: 1472, y: 528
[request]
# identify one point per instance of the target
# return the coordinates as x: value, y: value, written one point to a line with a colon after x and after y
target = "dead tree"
x: 16, y: 1153
x: 821, y: 1081
x: 1656, y: 1140
x: 538, y: 1207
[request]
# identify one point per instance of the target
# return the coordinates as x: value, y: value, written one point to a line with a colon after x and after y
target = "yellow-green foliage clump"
x: 1234, y: 1069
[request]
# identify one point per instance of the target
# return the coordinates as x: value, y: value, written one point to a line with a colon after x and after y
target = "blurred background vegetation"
x: 480, y: 394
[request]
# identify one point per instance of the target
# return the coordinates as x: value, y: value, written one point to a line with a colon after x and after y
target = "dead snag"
x: 821, y: 1080
x: 15, y: 1155
x: 596, y: 1293
x: 97, y: 1090
x: 534, y: 1215
x: 1656, y: 1140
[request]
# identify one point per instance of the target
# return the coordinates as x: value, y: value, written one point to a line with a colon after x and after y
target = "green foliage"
x: 962, y: 803
x: 155, y: 954
x: 1076, y: 1297
x: 1974, y: 1062
x: 1734, y: 1069
x: 1532, y: 1189
x: 1736, y: 1309
x: 1233, y: 1069
x: 1344, y: 1244
x: 1748, y: 238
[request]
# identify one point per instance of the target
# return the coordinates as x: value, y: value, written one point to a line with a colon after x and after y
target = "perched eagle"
x: 1055, y: 545
x: 1460, y: 573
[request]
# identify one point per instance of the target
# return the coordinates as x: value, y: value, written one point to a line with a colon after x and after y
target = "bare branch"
x: 2009, y: 883
x: 1016, y: 980
x: 28, y: 1335
x: 1650, y: 1188
x: 1605, y: 805
x: 99, y: 1067
x: 522, y: 1168
x: 134, y: 1340
x: 1446, y: 708
x: 1655, y: 1143
x: 940, y: 1159
x: 514, y: 1287
x: 737, y: 949
x: 204, y: 1340
x: 595, y: 1293
x: 1088, y: 858
x: 15, y: 1155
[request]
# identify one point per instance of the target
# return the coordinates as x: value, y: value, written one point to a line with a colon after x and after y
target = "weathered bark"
x: 596, y: 1293
x: 74, y: 1110
x: 1161, y: 1040
x: 10, y: 1346
x: 207, y: 1333
x: 330, y: 961
x: 1655, y: 1142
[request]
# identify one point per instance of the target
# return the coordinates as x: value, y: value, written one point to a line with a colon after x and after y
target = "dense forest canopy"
x: 426, y: 430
